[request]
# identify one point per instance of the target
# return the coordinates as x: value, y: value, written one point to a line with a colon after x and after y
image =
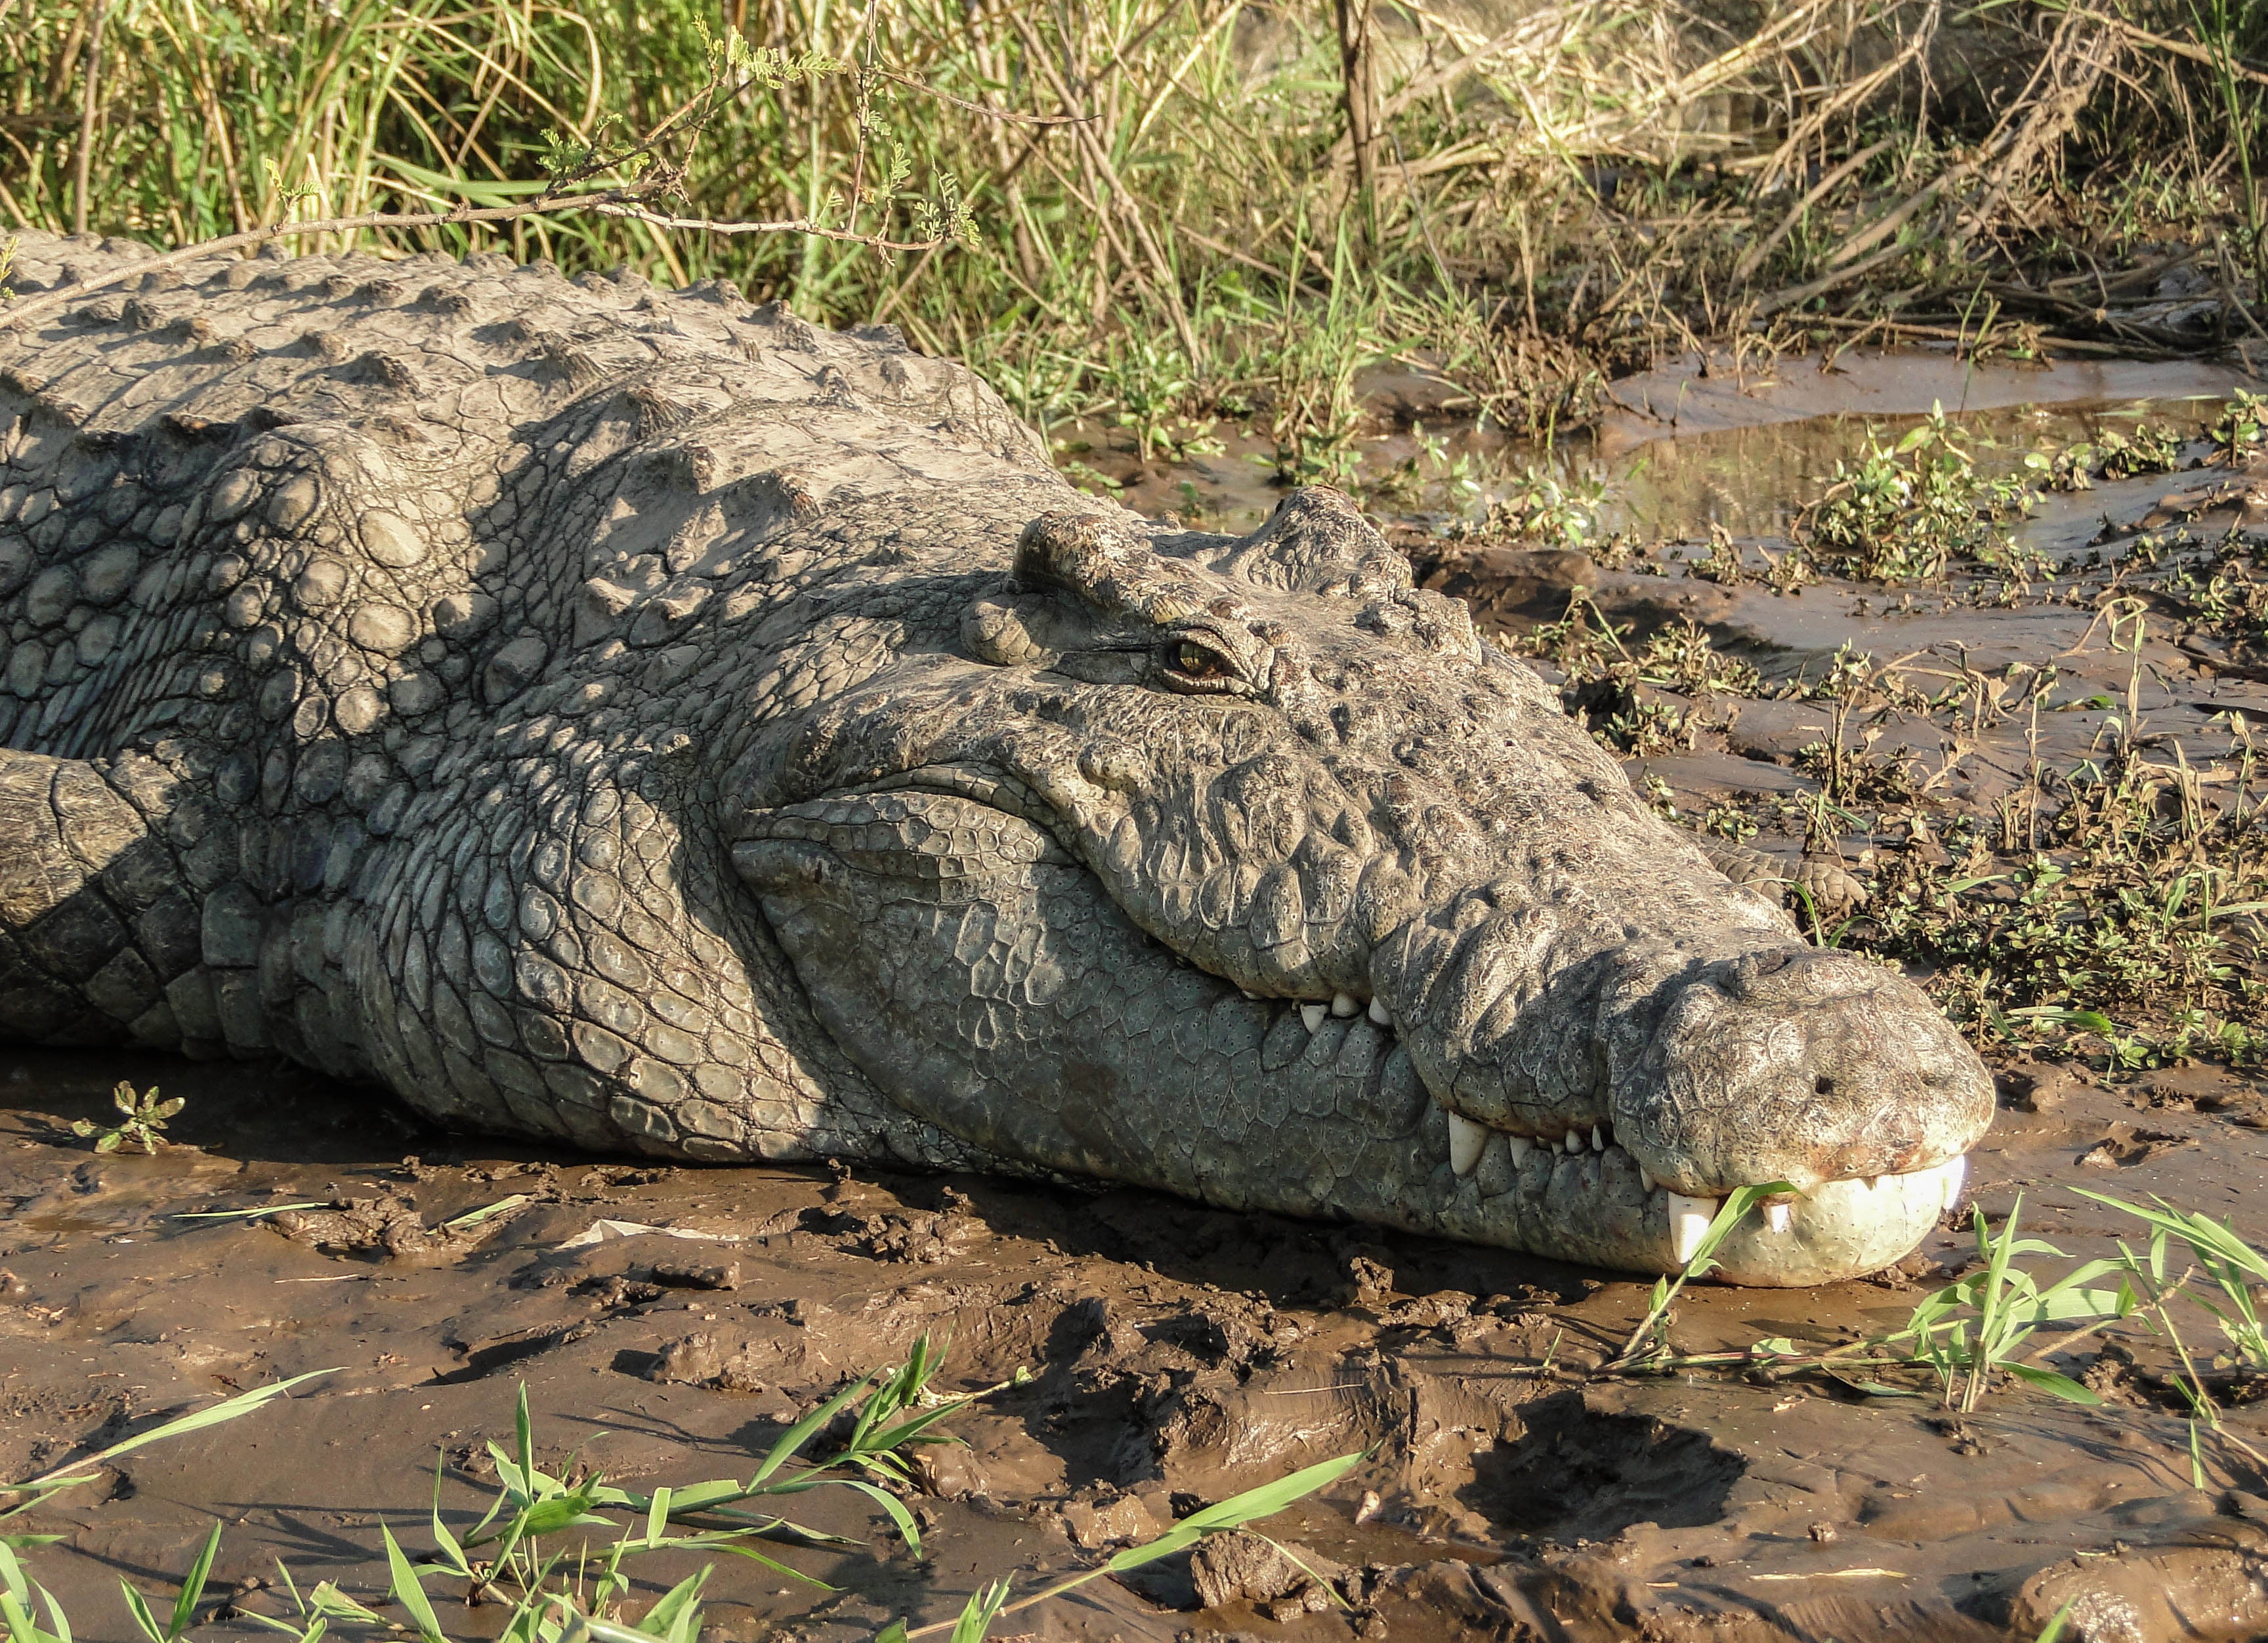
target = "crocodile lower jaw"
x: 1831, y: 1230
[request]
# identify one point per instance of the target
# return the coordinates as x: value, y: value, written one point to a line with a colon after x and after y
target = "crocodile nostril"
x: 1823, y: 1085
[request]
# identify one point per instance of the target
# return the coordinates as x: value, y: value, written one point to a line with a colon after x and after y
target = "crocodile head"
x: 1242, y: 869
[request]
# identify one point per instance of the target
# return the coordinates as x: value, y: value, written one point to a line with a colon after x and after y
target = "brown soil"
x: 1176, y: 1354
x: 1179, y: 1354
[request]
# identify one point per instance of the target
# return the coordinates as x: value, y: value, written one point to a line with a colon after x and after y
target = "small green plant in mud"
x: 1973, y: 1330
x: 141, y: 1119
x: 2136, y: 902
x: 2234, y: 1268
x: 1432, y: 465
x: 1153, y: 386
x: 532, y: 1550
x: 2241, y: 428
x: 1851, y: 774
x: 1994, y: 1325
x: 1595, y: 667
x: 1912, y: 511
x: 1539, y: 507
x: 1729, y: 821
x: 1604, y: 680
x: 1722, y: 564
x: 2152, y: 449
x: 1648, y: 730
x: 1680, y: 656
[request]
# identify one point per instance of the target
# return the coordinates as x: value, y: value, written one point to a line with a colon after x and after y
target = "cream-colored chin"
x: 1840, y: 1229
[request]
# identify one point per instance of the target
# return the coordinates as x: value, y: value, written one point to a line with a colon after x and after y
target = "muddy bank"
x: 1178, y: 1354
x: 668, y: 1323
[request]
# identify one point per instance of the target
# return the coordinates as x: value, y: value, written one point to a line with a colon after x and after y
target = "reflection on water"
x: 1754, y: 481
x: 1750, y: 480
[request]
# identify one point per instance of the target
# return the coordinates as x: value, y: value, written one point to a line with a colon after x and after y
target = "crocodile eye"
x: 1193, y: 661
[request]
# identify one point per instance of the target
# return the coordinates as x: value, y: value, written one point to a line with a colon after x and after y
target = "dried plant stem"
x: 611, y: 202
x: 90, y: 101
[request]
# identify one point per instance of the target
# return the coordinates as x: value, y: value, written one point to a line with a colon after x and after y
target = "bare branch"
x: 796, y: 226
x: 1005, y: 116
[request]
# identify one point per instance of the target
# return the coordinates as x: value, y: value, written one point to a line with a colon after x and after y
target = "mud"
x: 1176, y: 1354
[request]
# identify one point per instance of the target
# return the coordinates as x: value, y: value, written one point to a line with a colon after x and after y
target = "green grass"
x: 1579, y: 195
x: 553, y: 1547
x: 1991, y: 1329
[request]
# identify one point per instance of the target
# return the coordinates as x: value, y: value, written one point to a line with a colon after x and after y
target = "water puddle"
x: 1684, y: 451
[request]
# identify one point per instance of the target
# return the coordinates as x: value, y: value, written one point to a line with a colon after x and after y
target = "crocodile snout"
x: 1799, y: 1066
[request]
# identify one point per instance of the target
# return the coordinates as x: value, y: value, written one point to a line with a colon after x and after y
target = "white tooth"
x: 1343, y: 1004
x: 1574, y: 1141
x: 1950, y: 1177
x: 1598, y: 1139
x: 1466, y: 1139
x: 1645, y: 1177
x: 1875, y: 1182
x: 1312, y: 1015
x: 1779, y: 1217
x: 1688, y: 1220
x: 1378, y: 1013
x: 1248, y: 993
x: 1521, y: 1146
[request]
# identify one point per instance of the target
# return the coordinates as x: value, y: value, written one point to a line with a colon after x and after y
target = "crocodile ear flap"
x: 1317, y: 542
x: 1092, y: 555
x: 1066, y: 563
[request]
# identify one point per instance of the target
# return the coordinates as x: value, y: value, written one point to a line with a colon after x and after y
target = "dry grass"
x: 1552, y: 200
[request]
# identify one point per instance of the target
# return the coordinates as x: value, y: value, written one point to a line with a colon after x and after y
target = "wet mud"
x: 1177, y: 1355
x: 668, y: 1323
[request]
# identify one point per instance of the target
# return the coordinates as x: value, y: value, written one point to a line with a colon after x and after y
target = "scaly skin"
x: 641, y: 720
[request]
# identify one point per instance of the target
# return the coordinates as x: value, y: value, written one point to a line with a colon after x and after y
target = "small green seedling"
x: 1648, y: 1346
x: 145, y: 1116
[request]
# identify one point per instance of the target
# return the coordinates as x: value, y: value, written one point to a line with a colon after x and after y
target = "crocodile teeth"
x: 1574, y: 1141
x: 1779, y: 1217
x: 1598, y: 1139
x: 1646, y: 1178
x: 1467, y: 1141
x: 1313, y: 1015
x: 1343, y: 1004
x: 1688, y: 1220
x: 1378, y: 1013
x: 1521, y: 1146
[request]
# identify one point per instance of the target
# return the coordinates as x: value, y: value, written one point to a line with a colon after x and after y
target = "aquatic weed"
x: 1911, y: 511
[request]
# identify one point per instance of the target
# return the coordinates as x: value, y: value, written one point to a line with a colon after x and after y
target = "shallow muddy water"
x: 1177, y: 1355
x: 1741, y: 449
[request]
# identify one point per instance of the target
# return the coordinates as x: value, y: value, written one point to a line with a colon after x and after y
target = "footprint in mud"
x: 1575, y: 1473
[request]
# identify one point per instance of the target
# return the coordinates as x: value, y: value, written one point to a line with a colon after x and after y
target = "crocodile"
x: 645, y: 720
